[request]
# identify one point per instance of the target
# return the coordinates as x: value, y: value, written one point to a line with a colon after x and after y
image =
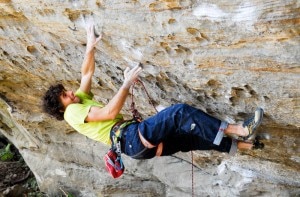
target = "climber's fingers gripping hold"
x: 92, y: 39
x: 131, y: 75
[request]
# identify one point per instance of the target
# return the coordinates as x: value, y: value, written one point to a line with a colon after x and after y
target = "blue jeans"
x: 181, y: 128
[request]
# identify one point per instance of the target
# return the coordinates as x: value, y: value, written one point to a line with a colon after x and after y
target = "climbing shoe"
x: 252, y: 124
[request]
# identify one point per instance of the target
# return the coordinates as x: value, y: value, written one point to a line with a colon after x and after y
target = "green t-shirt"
x: 76, y: 113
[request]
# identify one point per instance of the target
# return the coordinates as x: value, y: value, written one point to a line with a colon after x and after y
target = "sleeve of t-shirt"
x: 75, y: 114
x: 82, y: 95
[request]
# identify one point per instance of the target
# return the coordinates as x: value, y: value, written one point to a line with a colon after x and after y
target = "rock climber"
x: 179, y: 127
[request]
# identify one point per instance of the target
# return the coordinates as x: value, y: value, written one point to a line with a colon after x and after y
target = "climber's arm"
x: 88, y: 65
x: 113, y: 108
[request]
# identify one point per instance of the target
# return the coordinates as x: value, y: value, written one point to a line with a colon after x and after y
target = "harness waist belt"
x: 116, y: 133
x: 119, y: 126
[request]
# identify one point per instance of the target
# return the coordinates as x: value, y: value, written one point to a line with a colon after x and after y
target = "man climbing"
x: 179, y: 127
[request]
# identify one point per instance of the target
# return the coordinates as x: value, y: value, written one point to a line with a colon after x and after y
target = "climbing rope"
x: 192, y: 158
x: 136, y: 115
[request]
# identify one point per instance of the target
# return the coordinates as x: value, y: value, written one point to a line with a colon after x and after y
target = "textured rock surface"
x: 225, y: 57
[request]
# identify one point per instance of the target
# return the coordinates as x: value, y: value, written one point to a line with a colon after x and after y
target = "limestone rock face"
x: 224, y: 57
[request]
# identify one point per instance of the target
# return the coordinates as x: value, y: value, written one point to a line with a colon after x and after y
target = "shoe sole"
x: 253, y: 135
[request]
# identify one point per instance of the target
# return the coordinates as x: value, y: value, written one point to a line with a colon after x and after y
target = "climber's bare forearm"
x: 111, y: 110
x: 88, y: 65
x: 87, y: 71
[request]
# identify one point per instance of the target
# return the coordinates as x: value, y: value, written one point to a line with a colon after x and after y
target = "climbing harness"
x: 113, y: 159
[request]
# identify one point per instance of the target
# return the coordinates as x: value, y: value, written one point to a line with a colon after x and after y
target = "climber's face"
x: 68, y: 97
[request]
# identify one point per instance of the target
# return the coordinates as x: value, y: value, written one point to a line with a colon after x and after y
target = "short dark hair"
x: 52, y: 103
